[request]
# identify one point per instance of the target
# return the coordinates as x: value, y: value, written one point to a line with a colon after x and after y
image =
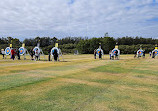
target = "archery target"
x: 98, y: 50
x: 37, y: 48
x: 114, y: 51
x: 140, y: 52
x: 22, y: 50
x: 7, y: 51
x: 54, y: 48
x: 156, y: 52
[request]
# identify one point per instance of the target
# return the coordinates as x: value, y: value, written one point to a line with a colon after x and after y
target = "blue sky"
x: 92, y: 18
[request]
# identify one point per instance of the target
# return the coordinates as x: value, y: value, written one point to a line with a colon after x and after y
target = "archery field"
x: 79, y: 84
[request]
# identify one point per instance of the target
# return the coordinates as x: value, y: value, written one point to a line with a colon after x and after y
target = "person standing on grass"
x: 116, y: 54
x: 3, y: 52
x: 32, y: 53
x: 55, y: 54
x: 18, y: 54
x: 153, y: 54
x: 95, y: 53
x: 110, y: 54
x: 135, y: 54
x: 15, y: 50
x: 139, y: 54
x: 36, y: 54
x: 100, y: 54
x: 49, y: 52
x: 144, y: 54
x: 150, y: 54
x: 12, y: 53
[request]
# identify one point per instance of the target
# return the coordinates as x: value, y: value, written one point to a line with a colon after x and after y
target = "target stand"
x: 23, y: 52
x: 76, y: 52
x: 98, y: 51
x: 40, y: 52
x: 140, y: 53
x: 155, y: 52
x: 114, y: 53
x: 7, y: 52
x: 58, y: 51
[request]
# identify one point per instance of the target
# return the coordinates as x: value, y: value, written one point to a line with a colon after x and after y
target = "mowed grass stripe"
x: 24, y: 80
x: 38, y: 65
x: 24, y: 83
x: 106, y: 81
x: 75, y: 89
x: 27, y: 86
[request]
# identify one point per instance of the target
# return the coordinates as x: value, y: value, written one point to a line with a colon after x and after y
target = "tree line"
x: 127, y: 45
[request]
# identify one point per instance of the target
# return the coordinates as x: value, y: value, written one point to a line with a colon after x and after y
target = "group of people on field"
x: 153, y: 54
x: 35, y: 54
x: 99, y: 54
x: 15, y: 54
x: 114, y: 55
x: 137, y: 54
x: 54, y: 53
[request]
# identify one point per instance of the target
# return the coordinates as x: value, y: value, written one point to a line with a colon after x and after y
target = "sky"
x: 80, y: 18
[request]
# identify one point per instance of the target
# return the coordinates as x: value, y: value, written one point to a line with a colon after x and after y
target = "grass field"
x: 79, y: 84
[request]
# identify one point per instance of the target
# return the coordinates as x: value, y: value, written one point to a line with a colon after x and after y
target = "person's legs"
x: 39, y: 57
x: 55, y: 58
x: 58, y: 58
x: 99, y: 56
x: 115, y: 56
x: 13, y: 57
x: 24, y: 56
x: 49, y: 57
x: 32, y: 57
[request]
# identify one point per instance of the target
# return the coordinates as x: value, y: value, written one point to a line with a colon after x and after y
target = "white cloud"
x: 30, y: 18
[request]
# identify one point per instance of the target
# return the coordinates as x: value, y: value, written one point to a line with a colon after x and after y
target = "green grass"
x: 80, y: 84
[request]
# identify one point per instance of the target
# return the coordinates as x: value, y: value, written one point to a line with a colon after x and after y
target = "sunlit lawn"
x: 79, y: 84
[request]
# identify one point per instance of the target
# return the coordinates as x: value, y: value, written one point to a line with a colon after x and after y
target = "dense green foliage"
x: 88, y: 46
x: 127, y: 45
x: 135, y: 41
